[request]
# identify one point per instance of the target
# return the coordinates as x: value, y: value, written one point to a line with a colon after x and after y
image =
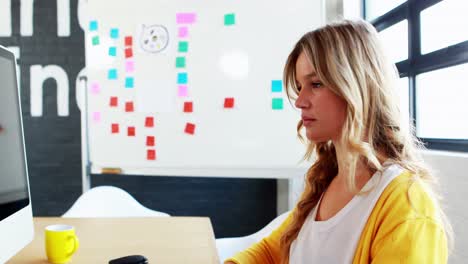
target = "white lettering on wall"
x: 38, y: 75
x: 26, y: 14
x: 5, y: 18
x: 80, y: 88
x: 63, y: 18
x: 82, y: 17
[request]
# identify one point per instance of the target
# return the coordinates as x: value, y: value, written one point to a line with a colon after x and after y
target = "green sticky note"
x: 183, y: 46
x: 180, y: 62
x: 277, y: 103
x: 229, y: 19
x: 95, y: 40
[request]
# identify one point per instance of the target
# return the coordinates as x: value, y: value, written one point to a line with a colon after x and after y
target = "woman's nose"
x: 301, y: 101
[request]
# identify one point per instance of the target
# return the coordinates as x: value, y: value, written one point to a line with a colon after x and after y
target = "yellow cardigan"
x: 399, y: 230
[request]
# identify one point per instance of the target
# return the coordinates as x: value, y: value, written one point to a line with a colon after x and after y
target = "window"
x: 403, y: 93
x: 395, y: 41
x: 439, y: 30
x: 376, y: 8
x: 441, y: 103
x: 352, y: 9
x: 428, y: 42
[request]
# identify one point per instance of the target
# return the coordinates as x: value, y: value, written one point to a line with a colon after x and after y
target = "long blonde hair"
x: 349, y: 59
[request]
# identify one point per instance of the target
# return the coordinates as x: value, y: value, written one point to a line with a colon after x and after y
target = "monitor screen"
x: 14, y: 193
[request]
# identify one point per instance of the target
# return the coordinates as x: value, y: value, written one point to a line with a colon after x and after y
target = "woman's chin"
x: 313, y: 137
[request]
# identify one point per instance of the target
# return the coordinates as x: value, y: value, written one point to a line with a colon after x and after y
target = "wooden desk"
x: 160, y: 239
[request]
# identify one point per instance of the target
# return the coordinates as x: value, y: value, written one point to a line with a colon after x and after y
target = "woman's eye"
x: 316, y: 84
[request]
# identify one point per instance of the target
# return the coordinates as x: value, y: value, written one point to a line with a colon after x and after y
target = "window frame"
x: 418, y: 63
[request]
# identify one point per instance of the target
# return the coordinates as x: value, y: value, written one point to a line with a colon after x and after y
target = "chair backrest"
x: 229, y: 246
x: 275, y: 223
x: 109, y: 201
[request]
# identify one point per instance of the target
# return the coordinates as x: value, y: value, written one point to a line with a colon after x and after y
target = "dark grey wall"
x: 236, y: 206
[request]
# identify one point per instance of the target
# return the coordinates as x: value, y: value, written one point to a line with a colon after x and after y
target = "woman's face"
x: 323, y: 112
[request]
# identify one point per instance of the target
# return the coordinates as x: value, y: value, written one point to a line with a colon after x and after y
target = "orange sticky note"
x: 188, y: 107
x: 128, y: 41
x: 129, y: 107
x: 115, y: 128
x: 149, y: 121
x: 128, y: 53
x: 131, y: 131
x: 150, y: 141
x: 190, y: 128
x: 113, y: 101
x: 228, y: 102
x: 151, y: 154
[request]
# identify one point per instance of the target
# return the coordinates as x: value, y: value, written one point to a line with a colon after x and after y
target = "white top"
x: 335, y: 240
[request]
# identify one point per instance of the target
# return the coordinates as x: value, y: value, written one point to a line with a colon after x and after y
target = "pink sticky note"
x: 97, y: 117
x: 129, y: 66
x: 95, y: 88
x: 183, y: 32
x: 182, y: 90
x: 186, y: 18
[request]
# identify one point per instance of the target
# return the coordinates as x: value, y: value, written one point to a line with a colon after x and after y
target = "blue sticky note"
x: 112, y: 74
x: 129, y: 82
x: 276, y: 86
x: 114, y: 33
x: 93, y: 25
x: 182, y: 78
x: 113, y: 51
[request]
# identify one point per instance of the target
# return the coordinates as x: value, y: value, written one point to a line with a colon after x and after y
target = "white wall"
x: 451, y: 169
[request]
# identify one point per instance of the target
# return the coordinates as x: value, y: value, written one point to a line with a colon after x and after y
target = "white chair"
x: 229, y: 246
x: 109, y: 201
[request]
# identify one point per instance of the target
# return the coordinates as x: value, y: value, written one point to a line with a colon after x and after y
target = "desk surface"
x: 160, y: 239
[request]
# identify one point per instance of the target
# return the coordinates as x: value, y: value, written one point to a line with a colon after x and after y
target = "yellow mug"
x: 60, y: 243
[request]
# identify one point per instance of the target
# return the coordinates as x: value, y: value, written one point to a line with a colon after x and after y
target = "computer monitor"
x: 16, y: 224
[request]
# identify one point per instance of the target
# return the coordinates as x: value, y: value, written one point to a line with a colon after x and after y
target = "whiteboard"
x: 149, y: 61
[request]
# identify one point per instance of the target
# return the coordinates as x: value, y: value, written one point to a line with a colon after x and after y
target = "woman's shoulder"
x: 407, y: 197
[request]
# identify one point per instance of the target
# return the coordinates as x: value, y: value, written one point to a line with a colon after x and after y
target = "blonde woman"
x: 368, y: 196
